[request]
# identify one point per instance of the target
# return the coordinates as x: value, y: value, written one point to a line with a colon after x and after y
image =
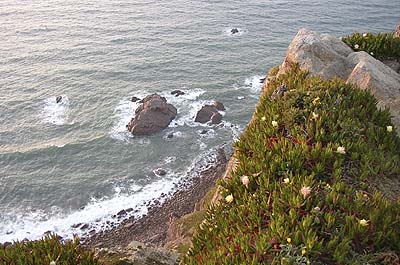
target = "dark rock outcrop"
x: 177, y: 93
x: 134, y: 99
x: 234, y: 31
x: 154, y: 115
x: 58, y: 99
x: 208, y: 113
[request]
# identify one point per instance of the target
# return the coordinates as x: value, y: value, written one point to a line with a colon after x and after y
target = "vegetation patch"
x: 304, y: 191
x: 381, y: 46
x: 48, y: 250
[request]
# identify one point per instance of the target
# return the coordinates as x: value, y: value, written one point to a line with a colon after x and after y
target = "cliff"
x: 315, y: 177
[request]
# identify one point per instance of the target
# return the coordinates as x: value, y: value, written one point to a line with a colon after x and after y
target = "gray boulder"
x: 381, y: 80
x: 208, y: 113
x: 321, y: 54
x: 152, y: 116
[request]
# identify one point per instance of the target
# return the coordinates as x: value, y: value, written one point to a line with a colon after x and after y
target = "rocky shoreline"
x: 152, y: 229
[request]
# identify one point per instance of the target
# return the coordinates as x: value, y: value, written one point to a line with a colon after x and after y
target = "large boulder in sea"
x: 152, y: 116
x: 208, y: 113
x: 321, y: 54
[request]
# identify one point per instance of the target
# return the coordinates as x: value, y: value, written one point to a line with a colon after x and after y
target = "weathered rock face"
x: 394, y: 64
x: 154, y: 115
x: 322, y: 55
x: 208, y: 113
x: 329, y: 57
x: 383, y: 82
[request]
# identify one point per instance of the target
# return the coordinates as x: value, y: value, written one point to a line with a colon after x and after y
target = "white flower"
x: 274, y: 123
x: 317, y: 209
x: 372, y: 53
x: 356, y: 46
x: 52, y: 263
x: 365, y: 35
x: 229, y: 198
x: 389, y: 128
x: 263, y: 118
x: 315, y: 116
x: 305, y: 191
x: 341, y: 150
x: 363, y: 222
x: 245, y: 180
x: 286, y: 180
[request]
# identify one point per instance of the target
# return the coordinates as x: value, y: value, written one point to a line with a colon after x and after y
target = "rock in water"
x: 160, y: 172
x: 234, y: 31
x: 154, y: 115
x: 208, y: 113
x: 58, y: 99
x: 134, y: 99
x: 219, y: 106
x: 177, y: 93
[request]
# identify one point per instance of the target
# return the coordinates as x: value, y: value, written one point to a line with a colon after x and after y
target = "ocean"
x: 74, y: 162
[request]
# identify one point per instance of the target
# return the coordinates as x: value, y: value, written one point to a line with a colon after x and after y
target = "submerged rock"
x: 234, y: 31
x: 160, y: 172
x: 154, y: 115
x: 208, y: 113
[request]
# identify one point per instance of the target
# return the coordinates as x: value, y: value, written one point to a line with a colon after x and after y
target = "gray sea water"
x: 69, y: 163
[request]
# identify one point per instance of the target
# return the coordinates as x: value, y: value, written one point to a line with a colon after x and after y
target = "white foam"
x: 254, y: 83
x: 55, y: 113
x: 98, y: 213
x: 187, y: 106
x: 123, y: 113
x: 32, y: 225
x: 169, y: 159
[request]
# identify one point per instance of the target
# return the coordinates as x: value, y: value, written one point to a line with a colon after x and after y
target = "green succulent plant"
x: 313, y: 158
x: 48, y: 250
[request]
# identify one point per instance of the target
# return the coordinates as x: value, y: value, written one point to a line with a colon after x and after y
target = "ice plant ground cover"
x: 380, y: 46
x: 49, y: 250
x: 305, y: 202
